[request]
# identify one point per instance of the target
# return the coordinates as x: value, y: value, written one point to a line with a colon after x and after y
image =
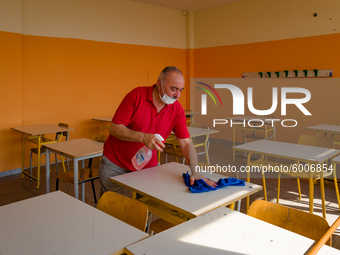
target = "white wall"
x: 251, y: 21
x: 119, y: 21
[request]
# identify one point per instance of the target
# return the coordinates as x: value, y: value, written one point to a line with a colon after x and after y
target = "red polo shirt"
x: 138, y: 112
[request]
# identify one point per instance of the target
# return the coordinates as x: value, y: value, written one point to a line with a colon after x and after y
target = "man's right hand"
x: 152, y: 142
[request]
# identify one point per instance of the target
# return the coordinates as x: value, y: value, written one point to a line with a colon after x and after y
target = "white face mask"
x: 166, y: 99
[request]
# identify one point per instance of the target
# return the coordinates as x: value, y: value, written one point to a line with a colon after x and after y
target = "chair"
x: 300, y: 222
x: 263, y: 135
x: 317, y: 141
x: 336, y: 141
x: 126, y: 209
x: 264, y: 132
x: 58, y: 137
x: 84, y: 175
x: 173, y: 146
x: 325, y: 237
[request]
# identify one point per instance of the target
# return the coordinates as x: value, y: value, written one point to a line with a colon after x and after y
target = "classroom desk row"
x: 56, y: 223
x: 76, y: 150
x: 268, y: 126
x: 311, y: 155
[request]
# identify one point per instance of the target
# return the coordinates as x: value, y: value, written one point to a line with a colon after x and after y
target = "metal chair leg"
x: 31, y: 165
x: 94, y: 192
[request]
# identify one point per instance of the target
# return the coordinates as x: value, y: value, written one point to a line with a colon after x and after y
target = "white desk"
x: 224, y: 231
x: 35, y: 134
x: 56, y: 223
x: 78, y: 149
x: 102, y: 120
x: 195, y: 132
x: 190, y: 115
x: 332, y: 129
x: 268, y: 126
x: 167, y: 196
x: 308, y: 154
x: 325, y: 128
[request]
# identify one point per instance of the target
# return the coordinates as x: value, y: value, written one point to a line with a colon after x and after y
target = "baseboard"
x: 18, y: 170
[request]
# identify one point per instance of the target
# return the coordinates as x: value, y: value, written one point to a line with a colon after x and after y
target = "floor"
x: 13, y: 189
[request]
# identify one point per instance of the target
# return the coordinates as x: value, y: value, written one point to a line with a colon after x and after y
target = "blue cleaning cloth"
x: 201, y: 186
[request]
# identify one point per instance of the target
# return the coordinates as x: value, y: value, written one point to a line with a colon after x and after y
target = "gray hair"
x: 166, y: 71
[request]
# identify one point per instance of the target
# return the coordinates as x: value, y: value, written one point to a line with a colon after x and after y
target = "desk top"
x: 324, y: 127
x: 289, y: 150
x: 194, y: 131
x: 57, y: 223
x: 41, y: 129
x: 103, y: 119
x: 77, y: 148
x: 224, y: 231
x: 165, y: 184
x: 188, y: 112
x: 336, y: 160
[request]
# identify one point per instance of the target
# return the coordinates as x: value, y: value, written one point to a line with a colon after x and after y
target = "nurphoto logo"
x: 239, y: 103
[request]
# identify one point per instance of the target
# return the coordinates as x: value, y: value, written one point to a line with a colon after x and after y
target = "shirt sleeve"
x: 125, y: 110
x: 180, y: 129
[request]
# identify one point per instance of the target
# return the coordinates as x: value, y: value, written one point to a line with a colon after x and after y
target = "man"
x: 144, y: 112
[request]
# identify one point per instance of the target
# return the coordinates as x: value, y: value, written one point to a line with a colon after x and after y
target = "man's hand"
x: 197, y: 176
x: 152, y: 142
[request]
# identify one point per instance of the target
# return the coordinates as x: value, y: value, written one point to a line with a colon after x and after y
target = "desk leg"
x: 75, y: 172
x: 336, y: 184
x: 311, y: 194
x: 149, y: 222
x: 47, y: 170
x: 234, y: 143
x: 322, y: 187
x: 248, y: 198
x: 239, y: 205
x: 83, y: 184
x: 23, y: 157
x: 206, y: 149
x: 38, y: 167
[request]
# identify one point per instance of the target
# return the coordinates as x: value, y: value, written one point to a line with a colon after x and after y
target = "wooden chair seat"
x: 35, y: 150
x: 84, y: 175
x: 44, y: 139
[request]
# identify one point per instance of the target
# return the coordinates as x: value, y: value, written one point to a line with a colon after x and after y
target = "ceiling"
x: 188, y: 5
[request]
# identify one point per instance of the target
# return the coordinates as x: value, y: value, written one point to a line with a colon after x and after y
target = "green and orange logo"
x: 204, y: 97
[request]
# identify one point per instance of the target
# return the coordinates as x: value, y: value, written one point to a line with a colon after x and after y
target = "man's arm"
x: 126, y: 134
x: 190, y: 155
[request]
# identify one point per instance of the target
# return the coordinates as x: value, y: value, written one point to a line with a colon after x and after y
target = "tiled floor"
x: 13, y: 189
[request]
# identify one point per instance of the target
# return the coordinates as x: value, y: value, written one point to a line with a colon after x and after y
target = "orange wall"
x: 316, y: 52
x: 71, y: 81
x: 10, y: 99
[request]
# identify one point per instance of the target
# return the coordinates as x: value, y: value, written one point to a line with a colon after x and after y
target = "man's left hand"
x: 198, y: 176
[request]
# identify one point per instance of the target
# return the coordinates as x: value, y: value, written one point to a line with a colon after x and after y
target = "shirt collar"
x: 150, y: 98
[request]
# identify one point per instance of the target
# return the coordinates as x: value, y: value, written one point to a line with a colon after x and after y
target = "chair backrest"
x: 201, y: 126
x: 300, y: 222
x: 124, y: 208
x: 100, y: 138
x: 319, y: 141
x: 60, y: 134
